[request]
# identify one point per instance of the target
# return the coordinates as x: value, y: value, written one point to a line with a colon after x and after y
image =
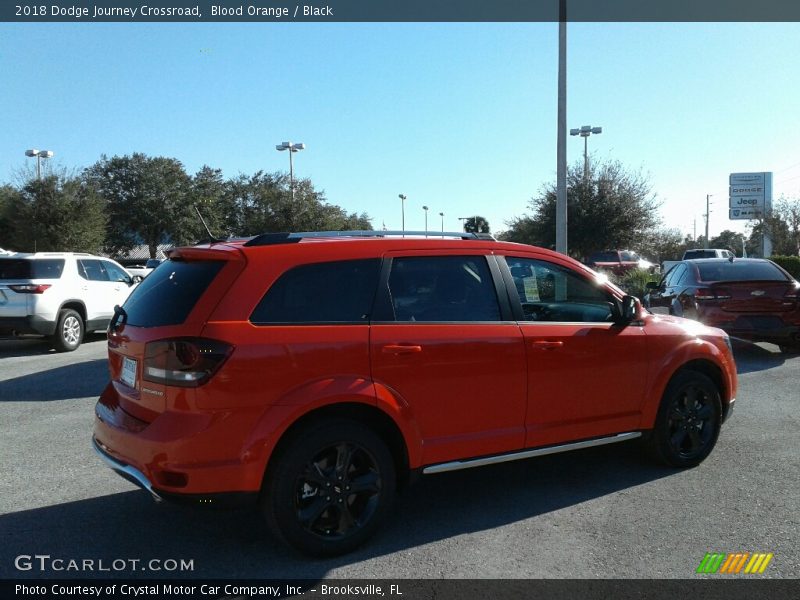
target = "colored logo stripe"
x: 717, y: 562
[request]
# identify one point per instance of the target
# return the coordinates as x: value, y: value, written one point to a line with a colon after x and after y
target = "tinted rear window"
x: 689, y: 254
x: 740, y: 271
x: 169, y: 294
x: 333, y: 292
x: 22, y: 268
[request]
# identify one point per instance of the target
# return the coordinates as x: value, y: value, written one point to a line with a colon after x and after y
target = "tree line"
x: 123, y: 202
x: 613, y: 207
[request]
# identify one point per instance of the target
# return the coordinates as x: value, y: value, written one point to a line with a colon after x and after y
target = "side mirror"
x: 651, y: 285
x: 626, y: 310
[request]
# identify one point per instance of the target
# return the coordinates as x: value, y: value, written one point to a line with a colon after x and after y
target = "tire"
x: 69, y: 331
x: 308, y: 500
x: 688, y: 421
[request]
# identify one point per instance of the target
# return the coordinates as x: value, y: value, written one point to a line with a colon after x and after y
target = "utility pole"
x: 708, y: 216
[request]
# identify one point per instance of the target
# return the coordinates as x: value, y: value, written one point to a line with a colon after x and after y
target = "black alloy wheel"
x: 329, y: 487
x: 338, y: 491
x: 688, y: 421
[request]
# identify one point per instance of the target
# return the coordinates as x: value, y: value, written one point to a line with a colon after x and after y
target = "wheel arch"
x: 368, y: 415
x: 704, y: 366
x: 76, y: 305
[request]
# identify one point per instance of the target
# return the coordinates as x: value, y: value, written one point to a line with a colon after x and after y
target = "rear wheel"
x: 330, y: 488
x: 688, y: 421
x: 69, y: 331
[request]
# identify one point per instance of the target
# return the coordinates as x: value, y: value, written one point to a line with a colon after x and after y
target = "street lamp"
x: 291, y: 148
x: 463, y: 222
x: 585, y: 132
x: 441, y: 214
x: 403, y: 199
x: 39, y: 154
x: 425, y: 208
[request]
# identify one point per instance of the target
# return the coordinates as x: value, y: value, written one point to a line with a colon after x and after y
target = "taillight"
x: 30, y: 288
x: 185, y: 362
x: 793, y: 294
x: 707, y: 294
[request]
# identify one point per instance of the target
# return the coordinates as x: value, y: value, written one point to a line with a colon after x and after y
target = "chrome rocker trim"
x: 501, y: 458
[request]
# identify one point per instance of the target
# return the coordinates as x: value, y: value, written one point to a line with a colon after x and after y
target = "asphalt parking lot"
x: 599, y: 513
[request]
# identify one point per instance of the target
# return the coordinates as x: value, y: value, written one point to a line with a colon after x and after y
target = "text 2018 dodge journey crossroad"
x: 313, y: 373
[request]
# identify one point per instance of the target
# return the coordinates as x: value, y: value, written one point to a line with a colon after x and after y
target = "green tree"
x: 57, y: 214
x: 9, y: 203
x: 612, y: 208
x: 148, y: 201
x: 476, y: 224
x: 732, y: 240
x: 664, y: 244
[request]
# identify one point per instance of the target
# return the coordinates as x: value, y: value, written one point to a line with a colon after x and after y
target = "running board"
x: 491, y: 460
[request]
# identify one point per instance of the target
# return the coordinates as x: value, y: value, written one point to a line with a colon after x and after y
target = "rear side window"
x: 740, y: 271
x: 169, y: 294
x: 92, y: 270
x: 332, y: 292
x: 443, y: 288
x: 20, y: 268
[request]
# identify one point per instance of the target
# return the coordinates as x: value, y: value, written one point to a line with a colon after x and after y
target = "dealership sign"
x: 750, y: 195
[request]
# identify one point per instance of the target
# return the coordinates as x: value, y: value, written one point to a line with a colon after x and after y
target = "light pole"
x: 708, y: 217
x: 585, y: 132
x: 425, y: 208
x: 39, y: 154
x: 441, y: 214
x: 403, y: 199
x: 561, y: 135
x: 291, y: 148
x: 463, y: 222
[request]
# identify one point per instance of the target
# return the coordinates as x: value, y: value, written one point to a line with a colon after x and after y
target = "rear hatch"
x: 749, y: 287
x: 21, y: 278
x: 154, y: 346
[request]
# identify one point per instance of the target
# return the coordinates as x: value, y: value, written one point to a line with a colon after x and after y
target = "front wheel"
x: 330, y: 488
x: 69, y: 331
x: 688, y: 421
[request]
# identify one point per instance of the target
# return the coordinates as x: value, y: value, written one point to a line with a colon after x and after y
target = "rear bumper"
x: 31, y: 324
x: 192, y: 456
x: 227, y: 499
x: 125, y: 471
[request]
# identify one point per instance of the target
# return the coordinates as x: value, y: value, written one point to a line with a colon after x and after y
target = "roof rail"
x: 266, y: 239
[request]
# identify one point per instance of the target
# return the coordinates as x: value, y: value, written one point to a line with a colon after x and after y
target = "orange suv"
x: 313, y: 373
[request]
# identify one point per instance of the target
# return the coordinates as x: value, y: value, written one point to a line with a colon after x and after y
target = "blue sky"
x: 458, y: 117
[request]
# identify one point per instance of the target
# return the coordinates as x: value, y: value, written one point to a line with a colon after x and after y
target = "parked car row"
x: 59, y: 295
x: 750, y: 298
x: 620, y: 262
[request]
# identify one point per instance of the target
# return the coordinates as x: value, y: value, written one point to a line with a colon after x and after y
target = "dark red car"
x: 750, y: 298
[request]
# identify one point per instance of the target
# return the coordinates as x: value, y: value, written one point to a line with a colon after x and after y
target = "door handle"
x: 545, y: 345
x: 401, y: 349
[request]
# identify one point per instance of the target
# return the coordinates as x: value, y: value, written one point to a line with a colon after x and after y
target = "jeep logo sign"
x: 750, y: 195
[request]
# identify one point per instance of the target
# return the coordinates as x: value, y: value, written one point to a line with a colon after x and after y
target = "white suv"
x: 60, y: 295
